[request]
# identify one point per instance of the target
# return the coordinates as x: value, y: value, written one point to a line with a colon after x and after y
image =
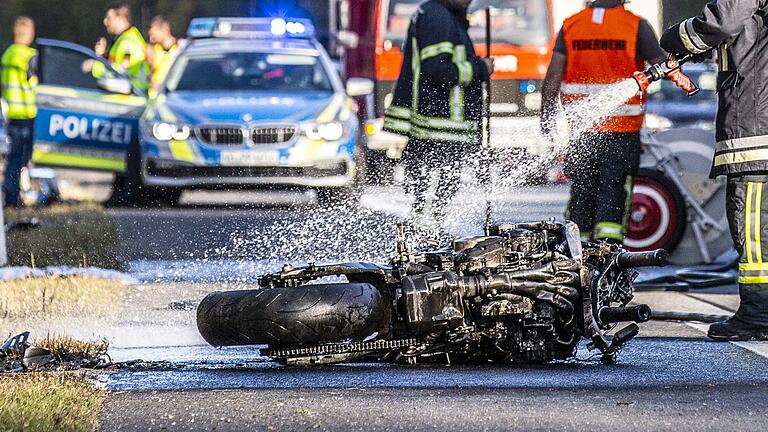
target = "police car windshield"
x: 244, y: 71
x: 517, y: 22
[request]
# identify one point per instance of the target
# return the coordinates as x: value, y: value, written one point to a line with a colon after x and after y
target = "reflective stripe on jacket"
x: 738, y: 30
x: 17, y: 87
x: 602, y: 49
x: 438, y: 94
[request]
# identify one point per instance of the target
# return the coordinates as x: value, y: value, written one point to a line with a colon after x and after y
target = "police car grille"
x: 221, y: 136
x: 188, y: 171
x: 273, y: 135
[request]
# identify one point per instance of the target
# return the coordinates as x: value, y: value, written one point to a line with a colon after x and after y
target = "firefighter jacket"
x: 738, y: 30
x: 438, y: 95
x: 128, y: 55
x: 17, y: 82
x: 601, y: 49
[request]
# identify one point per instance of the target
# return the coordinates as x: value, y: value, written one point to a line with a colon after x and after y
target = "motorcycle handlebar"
x: 629, y: 260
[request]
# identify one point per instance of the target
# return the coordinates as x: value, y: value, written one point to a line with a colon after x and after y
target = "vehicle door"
x: 83, y: 122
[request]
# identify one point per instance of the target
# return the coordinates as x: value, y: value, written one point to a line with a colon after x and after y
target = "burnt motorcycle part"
x: 353, y: 271
x: 309, y: 314
x: 523, y: 293
x: 334, y: 353
x: 618, y: 342
x: 433, y: 302
x: 611, y: 315
x: 630, y: 260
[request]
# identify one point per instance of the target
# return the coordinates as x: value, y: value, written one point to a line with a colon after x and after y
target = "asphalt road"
x: 682, y: 383
x: 671, y: 378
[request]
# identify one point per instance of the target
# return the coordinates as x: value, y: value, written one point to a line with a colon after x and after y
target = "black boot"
x: 734, y: 329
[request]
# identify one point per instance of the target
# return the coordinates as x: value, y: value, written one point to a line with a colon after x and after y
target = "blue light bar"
x: 250, y: 28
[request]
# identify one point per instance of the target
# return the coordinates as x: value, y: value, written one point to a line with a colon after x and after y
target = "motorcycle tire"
x: 657, y: 219
x: 287, y: 317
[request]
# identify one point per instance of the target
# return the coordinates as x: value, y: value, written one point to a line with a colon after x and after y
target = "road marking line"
x: 758, y: 347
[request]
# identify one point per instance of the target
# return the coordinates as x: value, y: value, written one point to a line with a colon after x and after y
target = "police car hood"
x: 197, y: 107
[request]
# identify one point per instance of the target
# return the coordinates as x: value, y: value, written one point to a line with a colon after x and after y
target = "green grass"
x: 49, y: 402
x: 83, y: 235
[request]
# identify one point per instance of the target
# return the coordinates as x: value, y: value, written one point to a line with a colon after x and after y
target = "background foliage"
x: 79, y: 21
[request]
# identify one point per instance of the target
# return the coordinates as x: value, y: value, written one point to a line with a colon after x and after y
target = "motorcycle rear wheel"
x: 286, y: 317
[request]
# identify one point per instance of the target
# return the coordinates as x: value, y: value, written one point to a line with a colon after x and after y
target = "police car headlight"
x: 167, y: 131
x: 332, y: 131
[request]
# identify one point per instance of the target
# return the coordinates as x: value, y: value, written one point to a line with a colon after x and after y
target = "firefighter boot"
x: 734, y: 329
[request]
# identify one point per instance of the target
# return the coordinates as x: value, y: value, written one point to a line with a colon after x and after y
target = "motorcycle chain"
x: 340, y: 348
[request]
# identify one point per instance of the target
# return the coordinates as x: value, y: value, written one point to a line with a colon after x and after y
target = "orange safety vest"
x: 602, y: 49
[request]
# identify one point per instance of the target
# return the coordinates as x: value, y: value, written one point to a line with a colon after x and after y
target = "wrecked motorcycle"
x: 522, y: 293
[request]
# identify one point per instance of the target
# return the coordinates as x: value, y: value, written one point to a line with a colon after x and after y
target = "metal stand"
x: 487, y: 126
x: 698, y: 219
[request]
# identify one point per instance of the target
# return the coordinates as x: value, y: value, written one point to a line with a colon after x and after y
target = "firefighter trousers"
x: 601, y: 166
x: 433, y: 171
x: 747, y: 211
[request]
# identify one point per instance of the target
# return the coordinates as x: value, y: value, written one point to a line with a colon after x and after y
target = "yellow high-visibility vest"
x: 128, y: 54
x: 17, y: 86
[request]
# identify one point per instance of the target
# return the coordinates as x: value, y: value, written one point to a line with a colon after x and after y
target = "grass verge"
x: 66, y: 349
x: 36, y: 299
x: 83, y: 235
x: 49, y: 402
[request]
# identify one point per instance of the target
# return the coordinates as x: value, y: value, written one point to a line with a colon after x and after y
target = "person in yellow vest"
x: 127, y: 53
x: 162, y: 51
x: 601, y: 45
x: 17, y: 81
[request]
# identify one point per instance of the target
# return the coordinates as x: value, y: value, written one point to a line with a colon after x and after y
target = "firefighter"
x: 437, y: 103
x: 127, y: 53
x: 17, y: 80
x: 162, y: 51
x: 737, y: 29
x: 601, y: 45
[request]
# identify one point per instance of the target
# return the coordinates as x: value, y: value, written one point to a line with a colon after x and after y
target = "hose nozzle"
x: 669, y: 69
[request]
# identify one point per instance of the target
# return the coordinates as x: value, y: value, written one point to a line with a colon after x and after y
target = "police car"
x: 253, y: 101
x: 83, y: 121
x: 249, y: 102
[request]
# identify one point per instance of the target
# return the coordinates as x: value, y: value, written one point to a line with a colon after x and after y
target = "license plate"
x: 250, y: 158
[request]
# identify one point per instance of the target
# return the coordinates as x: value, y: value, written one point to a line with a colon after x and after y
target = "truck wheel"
x: 306, y: 315
x: 657, y: 218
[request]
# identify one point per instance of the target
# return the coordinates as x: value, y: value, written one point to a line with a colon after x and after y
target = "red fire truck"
x: 523, y: 37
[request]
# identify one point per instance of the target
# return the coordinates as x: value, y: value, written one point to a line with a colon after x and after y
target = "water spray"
x: 669, y: 69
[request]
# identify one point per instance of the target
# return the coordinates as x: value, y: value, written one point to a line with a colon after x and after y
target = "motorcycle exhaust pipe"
x: 611, y: 315
x: 630, y: 260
